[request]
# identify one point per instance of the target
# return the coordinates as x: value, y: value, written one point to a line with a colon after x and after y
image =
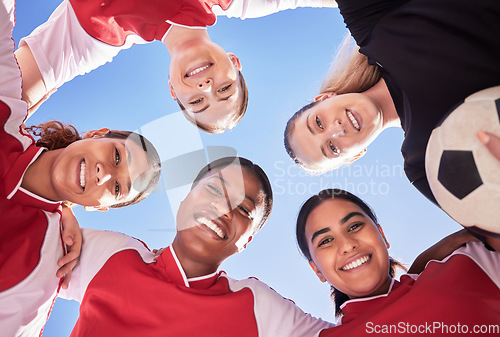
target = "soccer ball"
x: 463, y: 175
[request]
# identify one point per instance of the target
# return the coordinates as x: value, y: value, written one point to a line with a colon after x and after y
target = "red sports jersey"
x: 111, y: 21
x: 123, y: 292
x: 30, y: 242
x: 458, y: 296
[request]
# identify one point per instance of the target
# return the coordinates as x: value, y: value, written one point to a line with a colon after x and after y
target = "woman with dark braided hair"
x: 100, y: 170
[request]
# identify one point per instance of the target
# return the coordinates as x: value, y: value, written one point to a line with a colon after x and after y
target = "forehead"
x: 220, y: 114
x: 239, y: 181
x: 330, y: 212
x: 138, y: 165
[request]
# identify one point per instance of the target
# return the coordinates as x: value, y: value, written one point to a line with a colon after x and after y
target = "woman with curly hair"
x: 103, y: 169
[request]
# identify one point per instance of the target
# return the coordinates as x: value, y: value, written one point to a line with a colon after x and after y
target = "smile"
x: 82, y: 173
x: 213, y: 226
x: 356, y: 263
x: 198, y: 70
x: 353, y: 120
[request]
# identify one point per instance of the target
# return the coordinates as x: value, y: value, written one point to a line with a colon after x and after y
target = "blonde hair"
x: 350, y: 71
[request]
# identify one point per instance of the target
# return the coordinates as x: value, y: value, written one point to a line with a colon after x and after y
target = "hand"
x: 491, y: 141
x: 158, y: 252
x: 441, y: 249
x: 72, y: 238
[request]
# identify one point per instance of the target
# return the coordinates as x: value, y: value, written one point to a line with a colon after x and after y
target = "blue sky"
x: 285, y: 57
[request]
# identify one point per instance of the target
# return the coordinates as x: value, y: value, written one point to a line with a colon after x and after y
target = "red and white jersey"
x: 123, y: 292
x: 457, y: 296
x: 65, y: 47
x: 30, y: 241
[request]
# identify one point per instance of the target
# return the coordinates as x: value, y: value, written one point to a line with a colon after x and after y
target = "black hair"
x: 338, y: 297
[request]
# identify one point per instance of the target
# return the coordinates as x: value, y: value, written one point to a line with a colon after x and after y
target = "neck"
x: 381, y: 95
x: 192, y: 266
x: 178, y: 36
x: 37, y: 177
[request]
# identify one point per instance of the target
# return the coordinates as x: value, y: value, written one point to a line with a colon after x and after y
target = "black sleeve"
x: 360, y: 16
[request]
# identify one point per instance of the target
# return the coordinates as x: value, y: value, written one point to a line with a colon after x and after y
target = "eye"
x: 335, y: 150
x: 325, y: 241
x: 117, y: 190
x: 214, y: 190
x: 318, y: 123
x: 196, y: 101
x: 245, y: 212
x: 225, y: 88
x: 117, y: 156
x: 355, y: 226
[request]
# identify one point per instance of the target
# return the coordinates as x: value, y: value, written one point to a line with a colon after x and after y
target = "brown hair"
x: 55, y: 135
x: 350, y: 72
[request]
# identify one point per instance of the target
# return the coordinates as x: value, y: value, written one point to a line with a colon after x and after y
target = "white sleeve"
x: 488, y: 261
x: 10, y: 75
x: 98, y: 246
x: 62, y: 48
x: 277, y: 316
x: 244, y: 9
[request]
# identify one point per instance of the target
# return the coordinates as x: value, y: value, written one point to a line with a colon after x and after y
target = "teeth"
x: 82, y: 174
x: 196, y: 71
x: 210, y: 224
x: 353, y: 120
x: 356, y: 263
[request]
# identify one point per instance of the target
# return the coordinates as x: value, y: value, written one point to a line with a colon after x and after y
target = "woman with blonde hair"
x: 415, y: 62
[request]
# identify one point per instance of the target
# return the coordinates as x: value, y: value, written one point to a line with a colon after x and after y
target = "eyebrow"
x: 208, y: 105
x: 226, y: 183
x: 311, y: 129
x: 321, y: 231
x: 350, y: 215
x: 129, y: 161
x: 342, y: 221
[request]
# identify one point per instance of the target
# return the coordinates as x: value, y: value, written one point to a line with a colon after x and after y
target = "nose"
x: 205, y: 84
x: 347, y: 245
x: 337, y: 129
x: 222, y: 207
x: 101, y: 175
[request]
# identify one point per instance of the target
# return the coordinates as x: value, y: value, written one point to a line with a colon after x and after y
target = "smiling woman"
x: 340, y: 236
x: 102, y: 170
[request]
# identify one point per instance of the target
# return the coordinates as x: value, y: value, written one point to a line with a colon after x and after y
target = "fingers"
x: 158, y: 252
x: 491, y: 141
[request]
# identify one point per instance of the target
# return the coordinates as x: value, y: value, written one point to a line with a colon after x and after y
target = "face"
x: 99, y: 171
x: 337, y: 129
x: 348, y: 250
x: 216, y: 219
x: 204, y: 79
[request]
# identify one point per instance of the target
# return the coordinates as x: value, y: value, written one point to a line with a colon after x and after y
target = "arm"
x: 441, y: 250
x: 57, y: 51
x: 72, y: 238
x: 244, y: 9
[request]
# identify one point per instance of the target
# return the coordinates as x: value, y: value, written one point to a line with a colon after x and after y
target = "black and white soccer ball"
x: 464, y: 177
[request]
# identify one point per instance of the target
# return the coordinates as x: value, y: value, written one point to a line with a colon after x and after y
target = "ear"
x: 356, y: 157
x: 383, y: 236
x: 234, y: 60
x: 96, y: 133
x: 323, y: 96
x: 96, y: 208
x: 172, y: 92
x: 317, y: 272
